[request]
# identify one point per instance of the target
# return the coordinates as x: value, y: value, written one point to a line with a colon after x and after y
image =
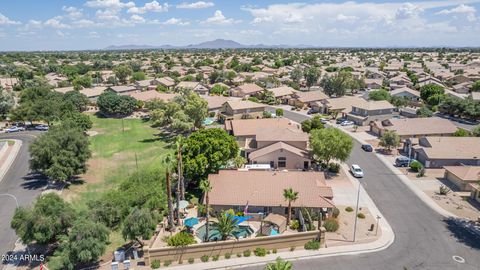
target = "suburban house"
x: 152, y: 95
x: 429, y: 80
x: 339, y: 105
x: 144, y: 85
x: 406, y: 92
x: 365, y: 112
x: 93, y: 93
x: 373, y: 83
x: 167, y: 82
x: 215, y: 103
x: 276, y: 142
x: 237, y: 109
x: 475, y: 193
x: 462, y: 88
x: 303, y: 99
x: 262, y: 191
x: 437, y: 152
x: 400, y: 81
x: 123, y: 89
x: 246, y: 90
x: 463, y: 176
x: 194, y: 86
x: 414, y: 127
x: 283, y: 93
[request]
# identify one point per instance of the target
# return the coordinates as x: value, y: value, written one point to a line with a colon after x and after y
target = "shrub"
x: 312, y: 245
x: 292, y: 248
x: 444, y: 190
x: 361, y: 216
x: 239, y: 255
x: 294, y: 225
x: 331, y: 225
x: 215, y: 258
x: 155, y: 264
x: 416, y: 166
x: 336, y: 212
x: 349, y: 209
x: 421, y: 173
x: 204, y: 258
x: 274, y: 251
x: 181, y: 239
x: 260, y: 252
x: 167, y: 263
x: 227, y: 255
x: 334, y: 167
x: 191, y: 260
x: 247, y: 253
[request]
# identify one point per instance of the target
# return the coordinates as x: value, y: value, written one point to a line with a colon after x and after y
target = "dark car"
x: 367, y: 147
x: 311, y: 111
x: 403, y: 161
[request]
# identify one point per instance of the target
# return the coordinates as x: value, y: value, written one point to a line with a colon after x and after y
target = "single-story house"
x: 167, y: 82
x: 93, y: 93
x: 283, y: 93
x: 475, y: 193
x: 364, y: 112
x: 281, y: 155
x: 302, y: 99
x: 246, y: 90
x: 414, y: 127
x: 437, y: 152
x: 215, y: 103
x: 151, y: 95
x: 262, y: 191
x: 237, y: 109
x: 144, y: 84
x: 406, y: 92
x: 430, y: 80
x: 194, y: 86
x: 339, y: 105
x: 462, y: 176
x: 123, y: 89
x: 373, y: 83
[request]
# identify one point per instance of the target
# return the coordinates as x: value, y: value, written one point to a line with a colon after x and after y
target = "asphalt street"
x: 20, y: 183
x: 423, y: 239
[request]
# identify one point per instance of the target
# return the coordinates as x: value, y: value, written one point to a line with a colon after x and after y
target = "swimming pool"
x: 208, y: 121
x: 243, y: 232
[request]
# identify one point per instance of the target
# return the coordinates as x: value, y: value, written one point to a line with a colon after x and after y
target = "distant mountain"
x: 213, y: 44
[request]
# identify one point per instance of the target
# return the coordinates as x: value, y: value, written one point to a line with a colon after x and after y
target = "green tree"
x: 312, y: 75
x: 313, y: 123
x: 112, y: 104
x: 85, y: 243
x: 77, y: 99
x: 279, y: 112
x: 230, y: 75
x: 424, y: 111
x: 138, y: 76
x: 138, y: 225
x: 61, y: 153
x: 432, y: 93
x: 476, y: 131
x: 330, y: 143
x: 82, y: 82
x: 206, y: 187
x: 279, y: 264
x: 6, y: 102
x: 390, y: 139
x: 475, y: 86
x: 226, y: 225
x: 381, y: 94
x: 195, y: 107
x: 122, y: 72
x: 290, y: 196
x: 206, y: 151
x: 39, y: 104
x: 181, y: 239
x: 77, y: 120
x: 218, y: 90
x: 337, y: 84
x: 461, y: 133
x: 49, y: 218
x: 296, y: 74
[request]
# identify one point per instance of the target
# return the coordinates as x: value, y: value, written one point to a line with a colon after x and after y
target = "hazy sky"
x: 93, y: 24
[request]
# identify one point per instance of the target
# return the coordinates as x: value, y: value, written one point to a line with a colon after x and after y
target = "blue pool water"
x: 208, y: 121
x: 243, y: 231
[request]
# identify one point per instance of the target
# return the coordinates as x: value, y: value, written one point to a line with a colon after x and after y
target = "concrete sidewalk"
x: 6, y: 162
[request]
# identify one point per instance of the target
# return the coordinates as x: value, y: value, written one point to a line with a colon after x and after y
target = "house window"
x: 282, y: 162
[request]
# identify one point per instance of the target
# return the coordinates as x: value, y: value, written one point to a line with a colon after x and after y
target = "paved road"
x: 423, y: 240
x: 19, y: 182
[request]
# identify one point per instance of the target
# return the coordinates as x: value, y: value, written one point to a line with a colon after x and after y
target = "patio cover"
x: 278, y: 220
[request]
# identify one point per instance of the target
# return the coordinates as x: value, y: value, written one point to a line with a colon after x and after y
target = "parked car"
x: 403, y: 161
x: 311, y: 111
x: 14, y: 129
x: 323, y: 120
x: 356, y: 171
x: 347, y: 123
x: 367, y: 147
x: 42, y: 127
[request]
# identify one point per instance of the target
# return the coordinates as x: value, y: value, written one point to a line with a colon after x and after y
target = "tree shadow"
x: 458, y: 229
x: 163, y: 136
x: 34, y: 181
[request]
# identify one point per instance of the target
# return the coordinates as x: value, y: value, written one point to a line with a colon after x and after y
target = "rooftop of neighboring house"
x: 372, y: 105
x: 151, y: 95
x: 244, y: 104
x: 344, y: 103
x: 216, y: 102
x: 167, y: 81
x: 250, y: 127
x: 278, y: 146
x: 265, y: 188
x: 187, y: 85
x: 249, y: 88
x: 122, y: 88
x: 418, y: 126
x: 289, y: 134
x: 451, y: 147
x: 465, y: 173
x: 311, y: 96
x: 282, y: 91
x: 405, y: 89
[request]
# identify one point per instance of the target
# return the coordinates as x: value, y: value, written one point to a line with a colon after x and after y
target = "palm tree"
x: 181, y: 180
x: 279, y: 264
x: 168, y: 165
x: 226, y: 225
x: 290, y: 195
x: 206, y: 188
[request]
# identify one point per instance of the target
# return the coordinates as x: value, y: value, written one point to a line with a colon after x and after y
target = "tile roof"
x: 250, y: 127
x: 277, y: 146
x: 311, y: 96
x: 152, y: 94
x: 466, y: 173
x: 452, y: 147
x: 419, y: 126
x: 249, y: 88
x: 244, y: 104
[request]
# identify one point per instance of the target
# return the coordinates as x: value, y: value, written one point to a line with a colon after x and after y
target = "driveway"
x: 20, y: 183
x: 423, y: 239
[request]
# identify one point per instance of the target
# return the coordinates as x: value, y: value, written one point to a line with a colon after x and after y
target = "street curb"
x: 418, y: 192
x: 9, y: 161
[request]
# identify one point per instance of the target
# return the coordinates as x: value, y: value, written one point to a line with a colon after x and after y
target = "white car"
x: 356, y: 171
x: 14, y: 129
x: 347, y: 123
x: 41, y: 127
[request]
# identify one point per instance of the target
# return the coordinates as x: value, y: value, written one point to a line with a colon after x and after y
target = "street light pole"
x: 356, y: 213
x: 376, y: 228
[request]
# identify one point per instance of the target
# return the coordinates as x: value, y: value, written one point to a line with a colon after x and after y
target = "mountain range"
x: 213, y: 44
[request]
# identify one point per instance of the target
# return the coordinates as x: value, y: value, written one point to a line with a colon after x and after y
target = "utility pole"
x: 356, y: 213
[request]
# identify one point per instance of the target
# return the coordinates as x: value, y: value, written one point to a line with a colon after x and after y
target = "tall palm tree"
x: 181, y: 179
x: 206, y: 187
x: 226, y: 225
x: 168, y: 165
x: 290, y: 195
x: 279, y: 264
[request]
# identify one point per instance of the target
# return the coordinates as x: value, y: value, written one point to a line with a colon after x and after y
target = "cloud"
x: 73, y: 12
x: 196, y: 5
x: 175, y: 21
x: 345, y: 18
x: 461, y: 9
x: 407, y: 11
x: 93, y: 34
x: 31, y: 24
x: 220, y: 19
x: 4, y: 20
x: 137, y: 19
x: 56, y: 23
x: 107, y: 15
x: 83, y: 23
x: 109, y: 4
x: 153, y: 6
